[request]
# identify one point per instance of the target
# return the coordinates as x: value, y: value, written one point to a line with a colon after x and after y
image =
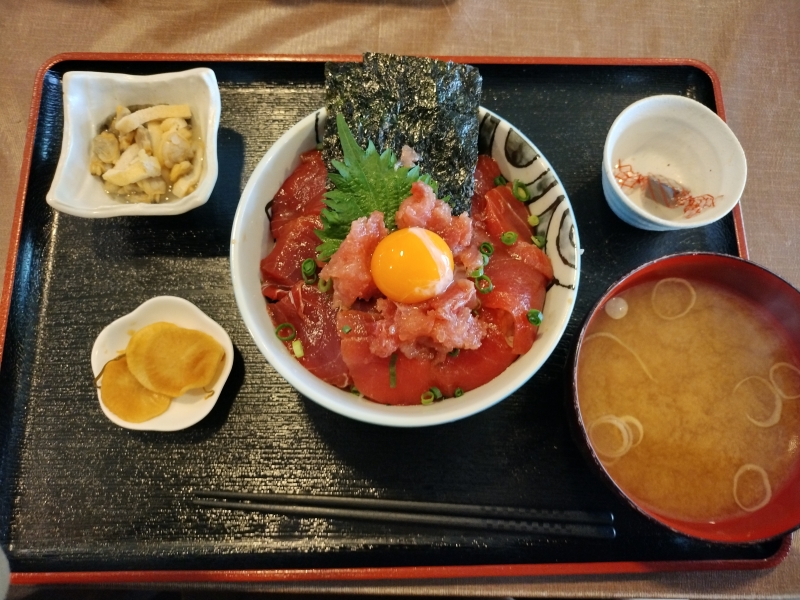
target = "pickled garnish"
x: 662, y: 190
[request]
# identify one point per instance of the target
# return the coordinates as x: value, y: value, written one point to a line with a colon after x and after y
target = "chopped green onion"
x: 454, y: 352
x: 309, y: 267
x: 347, y: 329
x: 486, y: 248
x: 485, y: 259
x: 500, y: 180
x: 535, y: 317
x: 509, y: 237
x: 477, y: 272
x: 533, y: 220
x: 539, y: 240
x: 354, y: 390
x: 286, y: 337
x: 324, y: 285
x: 393, y: 371
x: 297, y: 348
x: 520, y: 192
x: 309, y: 271
x: 458, y: 393
x: 483, y: 284
x: 427, y: 397
x: 437, y: 393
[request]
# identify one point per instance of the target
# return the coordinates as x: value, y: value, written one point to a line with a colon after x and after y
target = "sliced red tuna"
x: 313, y: 316
x: 372, y: 374
x: 503, y: 212
x: 301, y: 194
x: 282, y: 267
x: 473, y: 368
x: 517, y: 288
x: 486, y: 171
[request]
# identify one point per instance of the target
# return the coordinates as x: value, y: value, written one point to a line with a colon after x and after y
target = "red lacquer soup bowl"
x: 633, y: 417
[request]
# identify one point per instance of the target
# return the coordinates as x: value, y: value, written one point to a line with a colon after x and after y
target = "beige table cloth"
x: 753, y: 45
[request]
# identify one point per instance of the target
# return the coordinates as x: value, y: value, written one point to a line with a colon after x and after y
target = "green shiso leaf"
x: 366, y: 181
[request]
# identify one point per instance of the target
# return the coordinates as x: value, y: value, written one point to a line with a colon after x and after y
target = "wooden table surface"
x: 753, y: 46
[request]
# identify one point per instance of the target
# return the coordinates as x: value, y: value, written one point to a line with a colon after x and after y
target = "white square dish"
x: 90, y: 98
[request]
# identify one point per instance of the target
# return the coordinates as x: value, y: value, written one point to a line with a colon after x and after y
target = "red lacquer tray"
x: 84, y: 501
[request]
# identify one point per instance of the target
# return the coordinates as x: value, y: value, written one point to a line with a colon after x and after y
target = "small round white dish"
x: 90, y: 98
x: 193, y: 406
x: 251, y: 240
x: 679, y: 139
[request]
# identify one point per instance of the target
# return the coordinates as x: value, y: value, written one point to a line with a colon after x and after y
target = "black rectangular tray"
x: 80, y: 494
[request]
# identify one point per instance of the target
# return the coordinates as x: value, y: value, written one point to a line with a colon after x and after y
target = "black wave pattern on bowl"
x: 520, y: 159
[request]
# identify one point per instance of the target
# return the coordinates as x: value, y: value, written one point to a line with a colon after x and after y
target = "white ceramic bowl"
x: 251, y: 241
x: 90, y: 98
x: 680, y: 139
x: 191, y: 407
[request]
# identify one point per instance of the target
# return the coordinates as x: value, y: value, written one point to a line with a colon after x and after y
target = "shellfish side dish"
x: 149, y: 154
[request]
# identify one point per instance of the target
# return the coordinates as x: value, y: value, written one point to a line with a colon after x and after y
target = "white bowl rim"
x: 665, y: 224
x: 191, y: 201
x: 340, y: 401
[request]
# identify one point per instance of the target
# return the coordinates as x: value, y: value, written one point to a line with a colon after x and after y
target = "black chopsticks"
x: 572, y: 523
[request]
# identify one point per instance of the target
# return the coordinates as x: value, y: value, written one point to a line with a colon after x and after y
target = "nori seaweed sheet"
x: 428, y: 104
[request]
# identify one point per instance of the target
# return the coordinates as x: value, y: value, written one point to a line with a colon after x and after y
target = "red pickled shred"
x: 313, y: 316
x: 349, y: 267
x: 282, y: 267
x: 301, y: 194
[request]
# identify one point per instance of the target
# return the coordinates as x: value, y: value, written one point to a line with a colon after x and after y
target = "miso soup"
x: 690, y: 395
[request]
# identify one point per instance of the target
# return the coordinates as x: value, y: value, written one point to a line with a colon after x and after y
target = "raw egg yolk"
x: 411, y: 265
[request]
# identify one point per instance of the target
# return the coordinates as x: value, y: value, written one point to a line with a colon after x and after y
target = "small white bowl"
x: 251, y: 240
x: 191, y: 407
x: 90, y: 98
x: 679, y: 139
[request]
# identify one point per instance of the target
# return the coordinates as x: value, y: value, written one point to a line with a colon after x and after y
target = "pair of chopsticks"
x: 572, y: 523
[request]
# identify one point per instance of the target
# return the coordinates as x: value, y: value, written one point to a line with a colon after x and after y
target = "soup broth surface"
x: 682, y: 371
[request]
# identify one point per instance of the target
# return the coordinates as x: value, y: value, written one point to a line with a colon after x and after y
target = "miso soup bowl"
x: 782, y: 302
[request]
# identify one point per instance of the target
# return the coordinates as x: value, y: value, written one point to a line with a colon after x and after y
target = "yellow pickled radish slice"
x: 171, y: 360
x: 124, y: 396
